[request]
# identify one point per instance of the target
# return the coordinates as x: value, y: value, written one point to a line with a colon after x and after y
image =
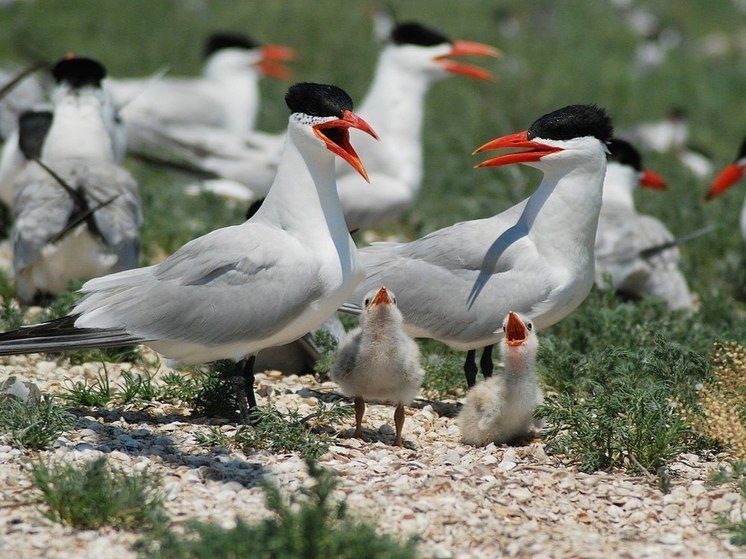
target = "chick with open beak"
x: 378, y: 360
x: 501, y: 408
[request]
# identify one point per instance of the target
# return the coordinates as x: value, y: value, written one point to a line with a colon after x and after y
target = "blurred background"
x: 638, y: 59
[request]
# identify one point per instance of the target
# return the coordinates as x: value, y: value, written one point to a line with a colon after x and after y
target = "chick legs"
x: 399, y: 422
x: 359, y: 412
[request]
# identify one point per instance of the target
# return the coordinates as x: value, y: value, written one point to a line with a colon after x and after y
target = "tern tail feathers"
x: 61, y: 335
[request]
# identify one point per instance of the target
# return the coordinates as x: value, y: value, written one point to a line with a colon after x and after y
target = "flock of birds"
x: 284, y: 272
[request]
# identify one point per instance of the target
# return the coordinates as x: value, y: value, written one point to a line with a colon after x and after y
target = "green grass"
x: 93, y: 494
x: 277, y: 432
x: 312, y: 526
x: 32, y: 426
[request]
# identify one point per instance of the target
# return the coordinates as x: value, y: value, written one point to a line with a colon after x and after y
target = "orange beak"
x: 272, y: 57
x: 382, y: 298
x: 516, y: 332
x: 534, y: 152
x: 652, y: 180
x: 727, y: 178
x: 335, y: 134
x: 468, y: 48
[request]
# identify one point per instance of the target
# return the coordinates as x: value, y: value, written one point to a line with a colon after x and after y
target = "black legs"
x: 485, y: 363
x: 243, y: 381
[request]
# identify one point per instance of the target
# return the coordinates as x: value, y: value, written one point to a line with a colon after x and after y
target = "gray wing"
x: 42, y: 207
x: 460, y: 282
x: 219, y: 288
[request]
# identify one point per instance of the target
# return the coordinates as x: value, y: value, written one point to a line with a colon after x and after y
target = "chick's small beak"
x: 649, y: 179
x: 468, y: 48
x: 335, y: 134
x: 382, y: 298
x: 272, y: 57
x: 727, y: 178
x: 515, y: 331
x: 534, y: 152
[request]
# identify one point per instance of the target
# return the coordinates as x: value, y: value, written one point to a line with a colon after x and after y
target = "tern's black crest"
x: 573, y: 121
x: 317, y: 99
x: 32, y: 130
x: 79, y: 72
x: 624, y: 153
x: 411, y: 33
x: 219, y: 41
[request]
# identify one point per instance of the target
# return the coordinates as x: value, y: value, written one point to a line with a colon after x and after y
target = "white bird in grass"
x: 729, y: 176
x: 240, y: 289
x: 415, y: 57
x: 501, y: 408
x: 625, y: 237
x: 76, y: 213
x: 536, y: 258
x: 379, y: 361
x: 225, y: 96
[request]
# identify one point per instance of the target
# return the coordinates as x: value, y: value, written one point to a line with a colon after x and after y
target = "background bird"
x: 237, y: 290
x: 501, y: 408
x: 729, y: 176
x: 76, y: 212
x: 457, y: 283
x: 625, y: 238
x: 379, y: 361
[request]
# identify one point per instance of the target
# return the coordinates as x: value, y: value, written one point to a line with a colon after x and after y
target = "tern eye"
x: 504, y: 329
x: 394, y: 300
x: 530, y: 326
x: 366, y: 303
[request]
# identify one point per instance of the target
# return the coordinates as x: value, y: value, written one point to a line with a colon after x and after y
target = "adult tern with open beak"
x: 237, y: 290
x: 536, y: 258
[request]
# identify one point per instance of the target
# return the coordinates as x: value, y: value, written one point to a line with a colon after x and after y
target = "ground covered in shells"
x: 458, y: 500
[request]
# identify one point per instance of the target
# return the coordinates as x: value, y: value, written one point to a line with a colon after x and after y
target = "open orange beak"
x: 727, y: 178
x: 534, y: 152
x: 336, y: 135
x: 649, y: 179
x: 516, y: 332
x: 272, y: 57
x: 468, y: 48
x: 382, y: 298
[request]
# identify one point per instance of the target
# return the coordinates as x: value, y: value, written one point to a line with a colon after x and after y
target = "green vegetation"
x: 31, y: 425
x: 93, y: 494
x: 277, y: 432
x: 735, y: 474
x: 314, y: 527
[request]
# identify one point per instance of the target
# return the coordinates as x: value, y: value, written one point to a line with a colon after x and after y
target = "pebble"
x: 720, y: 505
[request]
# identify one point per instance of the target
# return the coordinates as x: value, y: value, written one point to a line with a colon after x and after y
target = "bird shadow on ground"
x: 213, y: 465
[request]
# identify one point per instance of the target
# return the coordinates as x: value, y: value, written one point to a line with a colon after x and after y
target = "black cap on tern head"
x: 411, y: 33
x: 624, y: 153
x: 79, y: 71
x: 742, y: 150
x: 317, y: 99
x: 219, y: 41
x: 573, y: 121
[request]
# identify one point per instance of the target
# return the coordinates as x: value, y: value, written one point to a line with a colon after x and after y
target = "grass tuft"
x: 30, y: 425
x: 312, y: 526
x: 94, y: 494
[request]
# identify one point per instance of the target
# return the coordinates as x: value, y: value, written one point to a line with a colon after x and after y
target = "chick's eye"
x: 503, y: 328
x: 530, y: 326
x: 366, y: 302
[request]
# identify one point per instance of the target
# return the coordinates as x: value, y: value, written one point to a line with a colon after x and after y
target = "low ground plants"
x: 31, y: 425
x: 93, y: 494
x: 312, y: 525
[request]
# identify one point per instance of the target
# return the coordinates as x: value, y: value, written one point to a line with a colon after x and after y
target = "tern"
x: 624, y: 236
x: 535, y: 258
x: 378, y: 360
x: 240, y: 289
x: 415, y: 57
x: 729, y: 176
x: 76, y: 212
x: 501, y: 408
x: 225, y: 96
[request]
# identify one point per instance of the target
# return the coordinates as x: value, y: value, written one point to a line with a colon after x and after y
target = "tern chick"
x: 379, y: 360
x: 502, y: 408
